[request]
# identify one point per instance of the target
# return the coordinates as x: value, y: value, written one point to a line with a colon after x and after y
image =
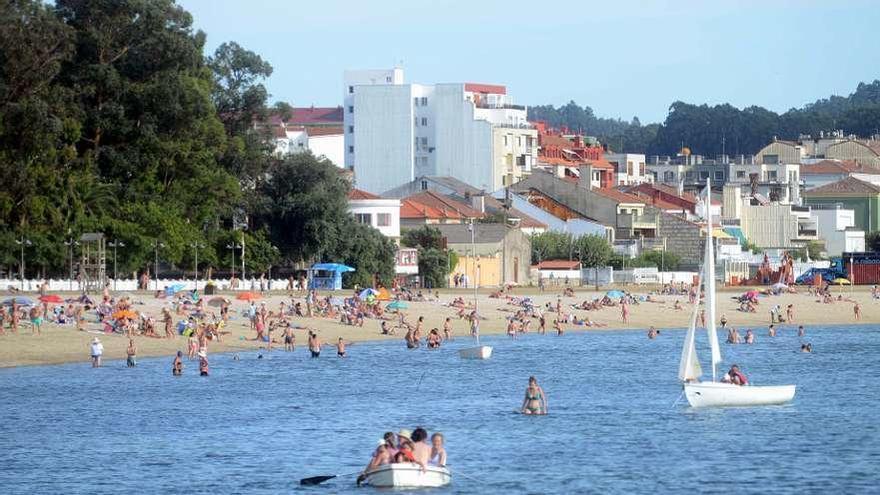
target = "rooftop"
x: 836, y: 167
x: 359, y: 194
x: 848, y: 185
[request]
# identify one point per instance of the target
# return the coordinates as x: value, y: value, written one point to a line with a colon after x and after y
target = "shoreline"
x: 65, y: 345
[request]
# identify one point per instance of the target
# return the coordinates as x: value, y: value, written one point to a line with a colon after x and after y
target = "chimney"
x: 586, y: 179
x: 478, y: 202
x: 577, y: 142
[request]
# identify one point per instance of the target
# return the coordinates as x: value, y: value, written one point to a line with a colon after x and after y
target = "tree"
x: 435, y: 262
x: 594, y: 251
x: 552, y: 245
x: 872, y: 241
x: 368, y: 251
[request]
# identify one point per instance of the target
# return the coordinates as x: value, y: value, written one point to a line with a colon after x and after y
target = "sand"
x: 64, y: 344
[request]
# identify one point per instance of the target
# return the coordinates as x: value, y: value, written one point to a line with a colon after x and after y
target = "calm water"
x: 258, y: 426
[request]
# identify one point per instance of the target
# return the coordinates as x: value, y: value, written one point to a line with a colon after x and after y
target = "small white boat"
x: 718, y: 394
x: 478, y: 352
x: 408, y: 475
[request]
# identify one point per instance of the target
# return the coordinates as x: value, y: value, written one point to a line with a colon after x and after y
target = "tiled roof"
x: 359, y: 194
x: 439, y: 201
x: 558, y: 265
x: 316, y: 115
x: 414, y: 210
x: 848, y: 185
x: 495, y: 89
x: 620, y: 197
x: 324, y: 131
x: 832, y: 167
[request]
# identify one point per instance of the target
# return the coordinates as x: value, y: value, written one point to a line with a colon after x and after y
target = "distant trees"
x: 711, y: 130
x: 435, y: 262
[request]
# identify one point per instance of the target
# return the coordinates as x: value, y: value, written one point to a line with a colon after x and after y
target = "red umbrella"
x: 51, y: 298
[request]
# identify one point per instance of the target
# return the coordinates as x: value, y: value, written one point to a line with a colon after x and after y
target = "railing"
x: 807, y: 232
x: 504, y: 106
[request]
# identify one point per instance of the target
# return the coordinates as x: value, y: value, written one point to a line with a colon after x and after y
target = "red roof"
x: 558, y: 265
x: 494, y: 89
x: 444, y: 203
x: 359, y: 194
x: 835, y: 167
x: 620, y: 197
x: 415, y: 210
x: 324, y: 131
x: 316, y: 115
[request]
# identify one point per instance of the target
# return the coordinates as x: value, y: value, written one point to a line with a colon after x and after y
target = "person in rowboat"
x: 421, y: 449
x: 535, y: 401
x: 438, y: 451
x: 381, y: 456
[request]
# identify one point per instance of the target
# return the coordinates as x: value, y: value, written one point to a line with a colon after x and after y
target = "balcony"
x: 505, y: 106
x: 630, y: 221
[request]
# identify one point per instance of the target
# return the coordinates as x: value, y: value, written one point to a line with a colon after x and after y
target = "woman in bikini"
x: 535, y: 401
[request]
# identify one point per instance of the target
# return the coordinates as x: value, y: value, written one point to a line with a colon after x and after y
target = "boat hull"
x: 408, y: 475
x: 716, y: 394
x: 479, y: 352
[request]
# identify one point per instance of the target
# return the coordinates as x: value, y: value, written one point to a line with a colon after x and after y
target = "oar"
x: 317, y: 480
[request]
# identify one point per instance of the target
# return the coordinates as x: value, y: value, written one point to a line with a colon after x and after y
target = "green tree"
x: 435, y: 262
x: 368, y: 251
x: 594, y: 251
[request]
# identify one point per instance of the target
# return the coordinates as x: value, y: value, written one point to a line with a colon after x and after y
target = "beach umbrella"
x: 840, y: 281
x: 218, y: 301
x: 125, y: 313
x: 248, y: 296
x: 368, y: 292
x: 173, y: 289
x: 20, y: 300
x: 397, y: 305
x: 51, y: 298
x: 615, y: 294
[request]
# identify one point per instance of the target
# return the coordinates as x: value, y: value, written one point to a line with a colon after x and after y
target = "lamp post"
x: 22, y: 242
x: 232, y: 247
x: 70, y: 243
x: 473, y: 227
x: 197, y: 246
x: 114, y: 245
x: 157, y: 244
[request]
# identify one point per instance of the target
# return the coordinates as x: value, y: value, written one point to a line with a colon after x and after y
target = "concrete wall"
x: 785, y: 152
x: 331, y: 146
x: 375, y: 207
x: 867, y: 209
x: 769, y: 226
x: 463, y: 146
x: 383, y: 136
x: 682, y: 238
x: 516, y: 264
x: 585, y: 202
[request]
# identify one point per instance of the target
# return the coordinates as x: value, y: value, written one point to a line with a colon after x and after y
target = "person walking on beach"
x: 857, y: 312
x: 168, y: 320
x: 131, y: 352
x: 624, y: 311
x: 789, y: 313
x: 177, y: 364
x: 97, y: 350
x: 535, y: 401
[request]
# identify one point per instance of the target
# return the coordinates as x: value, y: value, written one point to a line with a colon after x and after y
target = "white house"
x: 324, y: 142
x: 837, y: 227
x: 629, y: 168
x: 395, y: 132
x: 380, y: 213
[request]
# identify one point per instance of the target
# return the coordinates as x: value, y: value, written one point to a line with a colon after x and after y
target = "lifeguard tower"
x: 327, y: 276
x: 93, y: 264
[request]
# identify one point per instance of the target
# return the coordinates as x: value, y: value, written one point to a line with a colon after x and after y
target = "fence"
x: 132, y: 284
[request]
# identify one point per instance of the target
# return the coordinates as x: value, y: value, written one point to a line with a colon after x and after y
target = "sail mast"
x: 709, y: 277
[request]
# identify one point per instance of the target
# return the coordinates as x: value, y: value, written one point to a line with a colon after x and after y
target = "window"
x: 417, y: 143
x: 416, y: 101
x: 505, y: 140
x: 424, y: 101
x: 351, y: 149
x: 519, y: 141
x: 364, y: 218
x: 351, y: 129
x: 350, y: 89
x: 704, y: 176
x: 424, y: 185
x: 383, y: 219
x: 689, y: 175
x: 668, y: 176
x: 771, y: 175
x: 740, y: 174
x: 416, y: 121
x: 424, y: 142
x: 388, y: 79
x: 350, y: 109
x: 719, y: 175
x: 424, y: 121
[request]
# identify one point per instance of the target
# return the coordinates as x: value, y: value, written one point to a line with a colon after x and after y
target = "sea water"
x: 615, y: 424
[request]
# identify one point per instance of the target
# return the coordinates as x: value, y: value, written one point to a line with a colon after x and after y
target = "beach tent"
x: 327, y: 276
x: 383, y: 295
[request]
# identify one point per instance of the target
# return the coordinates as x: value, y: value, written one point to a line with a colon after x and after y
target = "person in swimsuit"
x: 438, y: 451
x: 130, y: 353
x: 36, y: 316
x: 177, y: 364
x: 314, y: 345
x: 203, y: 364
x: 289, y: 339
x: 535, y: 402
x: 340, y: 347
x: 447, y: 329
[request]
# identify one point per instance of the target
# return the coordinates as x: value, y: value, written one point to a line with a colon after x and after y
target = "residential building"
x: 629, y: 168
x: 311, y: 117
x: 396, y: 132
x: 381, y: 213
x: 828, y: 171
x: 858, y: 195
x: 776, y: 225
x: 833, y: 145
x: 566, y: 154
x: 837, y: 228
x: 498, y: 254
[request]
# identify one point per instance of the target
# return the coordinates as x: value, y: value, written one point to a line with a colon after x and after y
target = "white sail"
x: 709, y: 277
x: 689, y: 368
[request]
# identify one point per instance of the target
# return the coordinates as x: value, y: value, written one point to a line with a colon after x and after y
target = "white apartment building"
x: 395, y: 132
x: 381, y: 213
x: 322, y: 142
x: 629, y: 168
x: 837, y: 228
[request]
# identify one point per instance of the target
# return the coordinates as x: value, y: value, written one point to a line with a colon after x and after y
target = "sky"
x: 623, y: 58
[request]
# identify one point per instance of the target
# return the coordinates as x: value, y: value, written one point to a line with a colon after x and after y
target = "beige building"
x: 514, y: 153
x: 777, y: 225
x: 864, y: 152
x: 834, y: 146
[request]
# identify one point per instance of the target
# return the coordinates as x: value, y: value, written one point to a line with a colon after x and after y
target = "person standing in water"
x: 177, y: 364
x: 314, y: 345
x: 535, y: 401
x: 447, y: 329
x: 131, y: 352
x: 203, y: 364
x: 97, y: 350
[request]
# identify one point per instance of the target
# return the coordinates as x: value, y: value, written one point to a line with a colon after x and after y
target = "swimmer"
x: 535, y: 401
x: 177, y: 364
x: 130, y: 353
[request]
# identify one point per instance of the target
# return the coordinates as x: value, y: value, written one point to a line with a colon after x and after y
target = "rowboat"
x: 716, y: 393
x: 408, y: 475
x: 478, y: 352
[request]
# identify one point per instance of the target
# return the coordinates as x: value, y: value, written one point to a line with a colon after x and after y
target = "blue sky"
x: 622, y: 58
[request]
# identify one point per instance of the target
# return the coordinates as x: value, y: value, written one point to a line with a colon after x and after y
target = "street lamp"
x: 22, y: 242
x: 196, y: 246
x: 70, y: 243
x: 157, y: 244
x: 473, y: 227
x: 114, y: 245
x: 232, y: 247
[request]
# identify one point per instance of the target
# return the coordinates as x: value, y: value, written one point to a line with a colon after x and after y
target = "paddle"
x: 317, y: 480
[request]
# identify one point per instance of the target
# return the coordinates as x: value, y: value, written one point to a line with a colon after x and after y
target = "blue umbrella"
x: 615, y: 294
x: 397, y: 305
x: 368, y: 292
x: 173, y: 289
x: 20, y: 300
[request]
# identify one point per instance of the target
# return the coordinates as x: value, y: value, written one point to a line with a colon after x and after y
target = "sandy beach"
x: 64, y: 344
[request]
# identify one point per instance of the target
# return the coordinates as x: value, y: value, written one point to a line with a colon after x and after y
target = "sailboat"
x: 715, y: 393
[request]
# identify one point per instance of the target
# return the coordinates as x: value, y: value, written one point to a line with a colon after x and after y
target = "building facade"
x: 395, y: 132
x: 380, y: 213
